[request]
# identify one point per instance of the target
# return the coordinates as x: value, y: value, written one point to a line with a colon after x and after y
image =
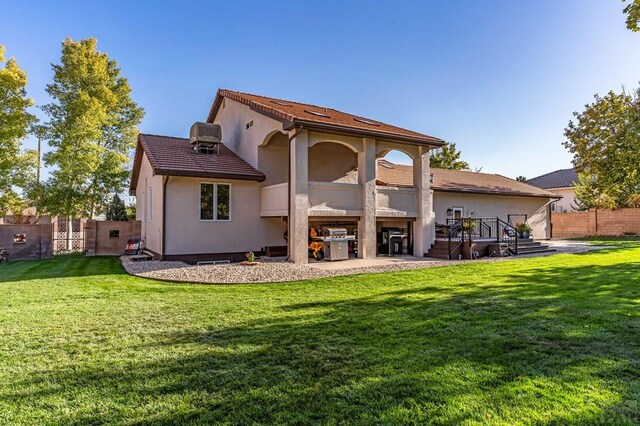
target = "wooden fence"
x: 595, y: 222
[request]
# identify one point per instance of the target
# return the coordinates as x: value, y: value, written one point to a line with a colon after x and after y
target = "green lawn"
x: 547, y: 340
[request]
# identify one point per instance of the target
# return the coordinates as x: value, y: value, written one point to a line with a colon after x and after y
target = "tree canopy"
x: 521, y: 178
x: 116, y: 210
x: 605, y: 143
x: 91, y: 130
x: 633, y: 15
x: 17, y: 166
x: 448, y: 157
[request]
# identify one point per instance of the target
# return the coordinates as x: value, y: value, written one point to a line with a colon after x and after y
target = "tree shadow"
x: 548, y: 345
x: 63, y: 266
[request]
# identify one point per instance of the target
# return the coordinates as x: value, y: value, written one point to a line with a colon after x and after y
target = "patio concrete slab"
x: 367, y: 263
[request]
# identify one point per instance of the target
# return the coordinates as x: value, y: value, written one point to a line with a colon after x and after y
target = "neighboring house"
x: 284, y: 167
x: 559, y: 182
x: 478, y: 195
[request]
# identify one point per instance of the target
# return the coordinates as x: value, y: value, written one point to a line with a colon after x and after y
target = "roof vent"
x: 206, y: 137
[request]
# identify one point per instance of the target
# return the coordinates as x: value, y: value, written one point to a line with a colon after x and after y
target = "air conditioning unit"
x: 205, y: 137
x: 205, y: 132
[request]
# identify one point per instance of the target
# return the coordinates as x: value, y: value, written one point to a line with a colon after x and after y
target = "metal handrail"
x: 455, y: 231
x: 509, y: 235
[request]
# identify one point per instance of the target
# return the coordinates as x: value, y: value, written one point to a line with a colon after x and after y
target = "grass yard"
x: 547, y: 340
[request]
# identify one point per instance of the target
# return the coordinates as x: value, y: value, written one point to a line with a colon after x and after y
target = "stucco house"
x: 559, y: 182
x: 286, y: 167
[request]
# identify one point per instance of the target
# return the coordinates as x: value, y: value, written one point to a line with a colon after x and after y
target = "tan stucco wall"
x: 233, y: 117
x: 484, y: 205
x: 273, y: 159
x: 187, y: 234
x: 331, y: 162
x: 151, y: 231
x: 567, y: 202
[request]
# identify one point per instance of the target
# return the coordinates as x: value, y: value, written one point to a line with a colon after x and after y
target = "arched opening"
x: 273, y: 158
x: 394, y: 168
x: 332, y: 162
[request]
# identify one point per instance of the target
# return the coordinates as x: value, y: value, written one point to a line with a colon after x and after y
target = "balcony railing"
x: 340, y: 199
x: 396, y: 201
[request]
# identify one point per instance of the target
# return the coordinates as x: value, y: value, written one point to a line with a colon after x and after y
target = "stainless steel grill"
x: 336, y: 243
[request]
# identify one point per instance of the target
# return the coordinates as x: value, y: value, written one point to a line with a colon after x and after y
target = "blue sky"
x: 499, y: 78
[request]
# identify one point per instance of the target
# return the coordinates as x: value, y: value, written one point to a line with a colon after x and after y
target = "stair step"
x: 542, y: 249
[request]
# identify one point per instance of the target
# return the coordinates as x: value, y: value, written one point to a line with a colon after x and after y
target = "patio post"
x: 423, y: 232
x: 367, y: 178
x: 299, y: 198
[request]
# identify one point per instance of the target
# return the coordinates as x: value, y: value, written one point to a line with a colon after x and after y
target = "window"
x: 150, y: 205
x: 215, y: 201
x: 114, y: 233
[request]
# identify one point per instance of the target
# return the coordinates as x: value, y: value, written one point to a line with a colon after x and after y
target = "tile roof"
x: 458, y: 181
x: 176, y: 157
x: 292, y: 113
x: 564, y: 178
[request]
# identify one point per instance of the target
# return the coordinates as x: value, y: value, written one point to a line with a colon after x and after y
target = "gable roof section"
x: 295, y: 113
x: 445, y: 180
x: 564, y: 178
x: 176, y: 157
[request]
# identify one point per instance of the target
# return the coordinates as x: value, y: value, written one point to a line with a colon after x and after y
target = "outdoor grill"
x: 391, y: 241
x: 336, y: 243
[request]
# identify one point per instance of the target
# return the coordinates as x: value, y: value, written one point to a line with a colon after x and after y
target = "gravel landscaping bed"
x: 274, y: 270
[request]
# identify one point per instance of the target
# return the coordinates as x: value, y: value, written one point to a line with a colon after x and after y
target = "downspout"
x: 291, y: 137
x: 165, y: 180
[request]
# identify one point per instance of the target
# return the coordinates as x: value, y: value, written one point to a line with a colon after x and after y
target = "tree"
x: 447, y: 157
x: 17, y: 167
x: 605, y: 143
x: 633, y: 15
x: 91, y: 130
x: 116, y: 210
x: 521, y: 178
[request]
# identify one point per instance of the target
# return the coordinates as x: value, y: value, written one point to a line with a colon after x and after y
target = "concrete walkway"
x: 367, y: 263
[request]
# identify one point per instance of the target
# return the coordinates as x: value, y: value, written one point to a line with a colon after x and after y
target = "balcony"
x: 341, y: 199
x: 335, y: 199
x: 394, y: 201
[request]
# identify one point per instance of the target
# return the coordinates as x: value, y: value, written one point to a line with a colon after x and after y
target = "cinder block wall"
x: 109, y: 238
x: 38, y: 244
x: 595, y: 222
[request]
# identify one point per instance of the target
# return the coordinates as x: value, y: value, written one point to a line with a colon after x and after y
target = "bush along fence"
x: 595, y: 222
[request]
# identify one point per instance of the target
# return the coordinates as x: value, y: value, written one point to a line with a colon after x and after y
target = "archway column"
x: 299, y: 198
x: 367, y: 178
x: 424, y: 224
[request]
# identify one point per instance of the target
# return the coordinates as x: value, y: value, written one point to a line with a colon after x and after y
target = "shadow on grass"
x: 550, y: 345
x: 63, y: 266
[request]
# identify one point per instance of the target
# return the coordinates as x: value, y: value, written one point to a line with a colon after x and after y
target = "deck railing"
x: 481, y: 228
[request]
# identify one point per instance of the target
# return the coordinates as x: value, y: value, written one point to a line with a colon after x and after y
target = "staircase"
x: 440, y: 250
x: 528, y: 246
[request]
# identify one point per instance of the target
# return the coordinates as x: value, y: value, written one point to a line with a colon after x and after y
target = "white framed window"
x: 150, y: 205
x: 215, y: 201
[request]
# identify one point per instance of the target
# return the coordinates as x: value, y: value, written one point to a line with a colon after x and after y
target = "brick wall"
x: 109, y: 238
x: 38, y: 242
x: 595, y: 222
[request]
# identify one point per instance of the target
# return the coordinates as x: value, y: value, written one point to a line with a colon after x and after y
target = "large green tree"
x: 605, y: 143
x: 448, y: 157
x: 92, y: 129
x: 632, y: 9
x: 17, y: 166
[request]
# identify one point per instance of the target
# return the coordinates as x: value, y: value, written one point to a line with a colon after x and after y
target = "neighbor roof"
x: 176, y: 157
x: 292, y: 113
x: 564, y: 178
x: 445, y: 180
